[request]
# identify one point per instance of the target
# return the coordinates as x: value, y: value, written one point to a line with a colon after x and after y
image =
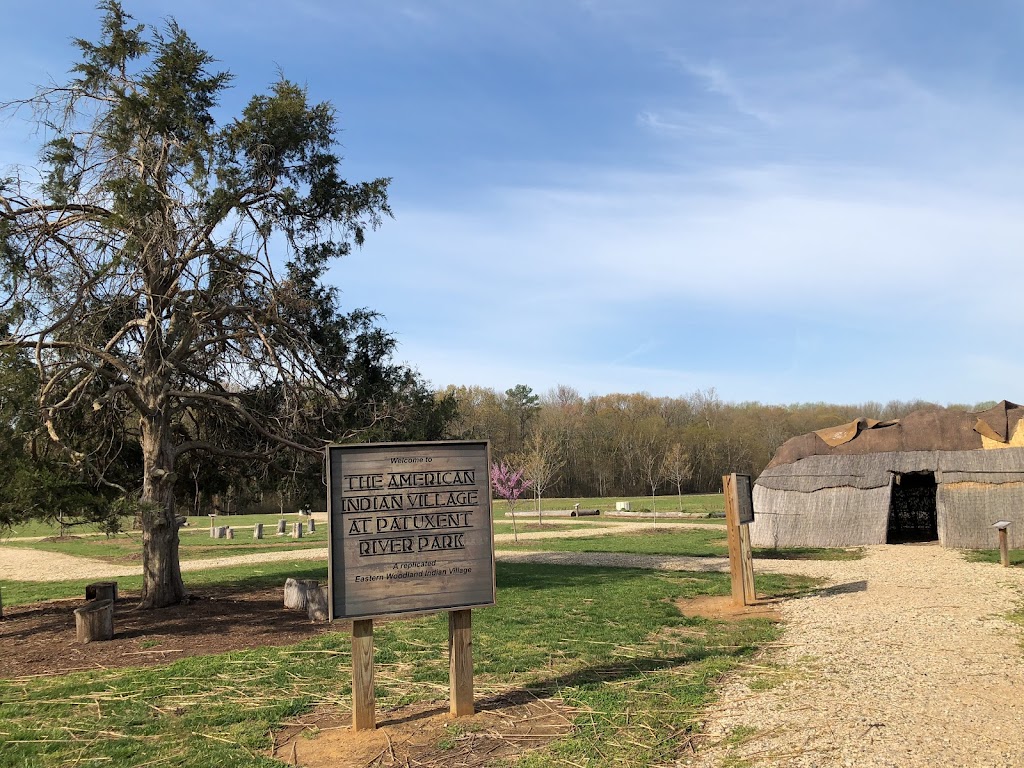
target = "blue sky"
x: 794, y: 200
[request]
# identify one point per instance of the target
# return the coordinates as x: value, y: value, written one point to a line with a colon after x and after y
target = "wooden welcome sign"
x: 410, y: 532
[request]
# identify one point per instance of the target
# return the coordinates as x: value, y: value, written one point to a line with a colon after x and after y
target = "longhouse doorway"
x: 912, y: 512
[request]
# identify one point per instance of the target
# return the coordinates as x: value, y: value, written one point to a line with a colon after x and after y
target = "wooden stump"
x: 312, y: 525
x: 297, y: 591
x: 316, y: 604
x: 257, y: 531
x: 95, y: 621
x: 297, y: 531
x: 101, y: 590
x: 281, y: 524
x: 230, y: 534
x: 214, y: 532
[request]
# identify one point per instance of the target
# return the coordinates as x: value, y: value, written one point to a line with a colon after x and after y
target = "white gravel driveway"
x: 907, y: 661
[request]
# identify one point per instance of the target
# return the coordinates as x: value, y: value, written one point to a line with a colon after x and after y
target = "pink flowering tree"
x: 509, y: 484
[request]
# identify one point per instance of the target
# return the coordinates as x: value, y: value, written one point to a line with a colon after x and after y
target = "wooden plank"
x: 733, y: 532
x: 747, y: 562
x: 460, y: 662
x: 363, y: 703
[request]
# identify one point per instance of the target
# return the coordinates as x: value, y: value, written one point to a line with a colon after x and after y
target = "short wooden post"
x: 212, y: 518
x: 460, y: 662
x: 230, y: 533
x: 1004, y: 541
x: 257, y: 531
x: 312, y: 525
x: 363, y: 702
x: 297, y: 531
x: 214, y: 532
x: 281, y: 524
x: 95, y: 621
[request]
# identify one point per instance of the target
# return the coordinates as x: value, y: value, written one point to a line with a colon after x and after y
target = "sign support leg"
x: 460, y: 662
x: 747, y: 561
x: 1004, y: 548
x: 363, y: 701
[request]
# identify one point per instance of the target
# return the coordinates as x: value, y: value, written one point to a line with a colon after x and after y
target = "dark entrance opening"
x: 912, y: 515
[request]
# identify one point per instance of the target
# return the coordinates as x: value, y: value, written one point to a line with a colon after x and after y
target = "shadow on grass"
x: 604, y: 674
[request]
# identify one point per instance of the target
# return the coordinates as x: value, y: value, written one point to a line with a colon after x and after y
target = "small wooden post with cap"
x: 1004, y: 542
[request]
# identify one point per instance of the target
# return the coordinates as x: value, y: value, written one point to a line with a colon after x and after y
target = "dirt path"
x: 22, y: 564
x: 906, y: 662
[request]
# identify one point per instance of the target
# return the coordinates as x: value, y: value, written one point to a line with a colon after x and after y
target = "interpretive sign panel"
x: 744, y: 500
x: 410, y: 528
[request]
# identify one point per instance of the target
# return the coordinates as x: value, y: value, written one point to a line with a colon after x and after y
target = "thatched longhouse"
x: 937, y: 474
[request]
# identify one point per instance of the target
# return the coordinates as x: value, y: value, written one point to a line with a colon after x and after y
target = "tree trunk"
x: 161, y: 571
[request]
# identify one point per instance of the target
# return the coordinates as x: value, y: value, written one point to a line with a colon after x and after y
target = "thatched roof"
x: 927, y: 430
x: 865, y: 471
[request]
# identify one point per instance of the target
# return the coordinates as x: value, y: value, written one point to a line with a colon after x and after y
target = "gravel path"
x: 906, y: 662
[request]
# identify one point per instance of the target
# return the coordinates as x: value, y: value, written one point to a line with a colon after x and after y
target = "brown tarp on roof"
x: 930, y: 429
x: 995, y: 422
x: 844, y: 433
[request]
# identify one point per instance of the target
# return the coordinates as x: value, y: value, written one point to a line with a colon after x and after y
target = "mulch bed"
x: 40, y: 639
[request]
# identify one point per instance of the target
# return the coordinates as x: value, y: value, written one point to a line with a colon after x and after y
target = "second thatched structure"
x: 938, y: 474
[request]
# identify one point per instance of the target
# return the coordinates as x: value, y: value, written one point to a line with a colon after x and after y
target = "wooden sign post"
x: 410, y: 532
x: 364, y: 702
x: 739, y: 513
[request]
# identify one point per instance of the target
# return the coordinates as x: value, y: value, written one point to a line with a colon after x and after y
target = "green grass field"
x: 694, y: 504
x: 992, y: 556
x: 126, y: 548
x: 610, y: 642
x: 678, y: 541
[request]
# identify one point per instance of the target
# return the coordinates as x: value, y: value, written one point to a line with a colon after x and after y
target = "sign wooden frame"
x: 410, y: 531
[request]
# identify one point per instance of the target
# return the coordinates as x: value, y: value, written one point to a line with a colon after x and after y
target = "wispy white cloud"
x: 715, y: 79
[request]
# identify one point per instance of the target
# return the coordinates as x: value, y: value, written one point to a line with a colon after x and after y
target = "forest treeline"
x: 631, y: 444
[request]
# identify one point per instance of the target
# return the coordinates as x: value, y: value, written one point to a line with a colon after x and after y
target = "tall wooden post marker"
x: 739, y: 513
x: 410, y: 532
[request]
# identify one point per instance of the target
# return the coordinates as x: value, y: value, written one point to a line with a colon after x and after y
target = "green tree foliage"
x: 166, y: 272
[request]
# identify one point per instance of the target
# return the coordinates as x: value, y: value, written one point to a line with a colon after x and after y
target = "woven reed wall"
x: 831, y: 517
x: 966, y: 512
